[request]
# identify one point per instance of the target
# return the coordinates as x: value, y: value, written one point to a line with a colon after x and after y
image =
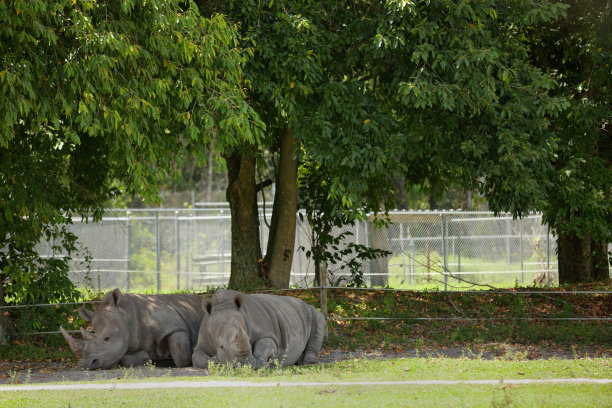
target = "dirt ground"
x: 30, y: 372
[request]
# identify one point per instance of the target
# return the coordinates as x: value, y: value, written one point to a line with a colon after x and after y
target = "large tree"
x: 440, y: 91
x: 308, y: 87
x: 577, y: 51
x: 94, y: 91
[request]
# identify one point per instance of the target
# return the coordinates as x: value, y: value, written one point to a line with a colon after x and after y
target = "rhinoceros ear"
x: 87, y: 335
x: 207, y: 305
x: 238, y: 301
x: 111, y: 298
x: 86, y: 314
x: 117, y: 296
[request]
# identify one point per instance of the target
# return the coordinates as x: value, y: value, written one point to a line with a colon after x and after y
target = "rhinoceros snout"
x: 93, y: 364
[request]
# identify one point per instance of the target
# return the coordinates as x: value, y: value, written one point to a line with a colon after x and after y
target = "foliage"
x: 577, y: 52
x: 93, y: 91
x: 473, y: 109
x: 329, y: 245
x: 393, y: 334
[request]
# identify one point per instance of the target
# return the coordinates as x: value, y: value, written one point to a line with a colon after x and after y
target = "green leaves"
x: 458, y: 76
x: 95, y: 91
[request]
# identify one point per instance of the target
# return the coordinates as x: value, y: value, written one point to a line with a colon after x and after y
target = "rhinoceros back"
x: 291, y: 322
x: 161, y: 315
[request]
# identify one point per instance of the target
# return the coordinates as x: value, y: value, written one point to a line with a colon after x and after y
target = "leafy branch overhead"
x: 149, y: 79
x: 92, y: 92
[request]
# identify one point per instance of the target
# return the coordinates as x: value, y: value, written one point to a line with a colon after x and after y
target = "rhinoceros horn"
x: 243, y: 344
x: 75, y: 344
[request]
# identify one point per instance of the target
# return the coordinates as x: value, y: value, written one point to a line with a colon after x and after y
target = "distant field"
x: 419, y: 272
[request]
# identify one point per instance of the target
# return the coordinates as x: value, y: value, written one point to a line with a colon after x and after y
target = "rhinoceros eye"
x: 106, y: 338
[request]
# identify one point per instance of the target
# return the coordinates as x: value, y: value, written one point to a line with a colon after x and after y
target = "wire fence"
x: 161, y: 251
x: 323, y: 298
x: 190, y: 249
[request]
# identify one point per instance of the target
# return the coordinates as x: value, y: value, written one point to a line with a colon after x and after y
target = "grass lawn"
x: 498, y: 395
x: 418, y: 273
x: 327, y: 396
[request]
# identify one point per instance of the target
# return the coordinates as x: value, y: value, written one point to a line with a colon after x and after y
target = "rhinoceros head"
x: 108, y: 343
x: 228, y: 332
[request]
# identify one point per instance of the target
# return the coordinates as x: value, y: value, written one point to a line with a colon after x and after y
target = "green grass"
x: 400, y: 270
x: 565, y: 396
x: 427, y: 368
x: 31, y: 351
x: 357, y: 396
x: 434, y: 368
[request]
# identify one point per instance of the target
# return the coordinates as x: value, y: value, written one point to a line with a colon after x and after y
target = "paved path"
x: 244, y: 384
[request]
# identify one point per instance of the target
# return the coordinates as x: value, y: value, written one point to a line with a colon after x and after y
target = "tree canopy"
x: 439, y: 92
x: 95, y: 91
x: 577, y: 52
x: 442, y: 92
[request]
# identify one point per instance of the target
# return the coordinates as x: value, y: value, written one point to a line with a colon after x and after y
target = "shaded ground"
x: 508, y: 325
x: 31, y: 372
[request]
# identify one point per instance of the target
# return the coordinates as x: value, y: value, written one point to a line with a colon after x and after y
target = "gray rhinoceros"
x: 131, y: 329
x: 256, y: 329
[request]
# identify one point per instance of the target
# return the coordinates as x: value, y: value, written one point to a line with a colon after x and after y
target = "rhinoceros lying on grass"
x: 131, y: 329
x: 257, y: 329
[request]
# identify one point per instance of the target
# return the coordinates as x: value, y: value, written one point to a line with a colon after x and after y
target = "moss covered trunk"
x: 281, y: 241
x: 242, y: 197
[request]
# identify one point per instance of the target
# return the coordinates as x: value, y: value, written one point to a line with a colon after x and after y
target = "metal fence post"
x: 402, y: 249
x: 187, y: 246
x: 297, y: 253
x: 177, y: 248
x: 411, y: 260
x: 323, y: 280
x: 221, y: 275
x: 445, y: 260
x: 367, y: 242
x: 128, y: 254
x: 454, y: 257
x: 508, y: 230
x: 521, y: 249
x: 547, y: 255
x: 157, y: 252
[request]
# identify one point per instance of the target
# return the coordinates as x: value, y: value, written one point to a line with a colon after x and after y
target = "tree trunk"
x: 210, y: 170
x: 581, y: 258
x: 4, y: 318
x: 242, y: 197
x: 281, y: 241
x: 379, y: 239
x: 399, y: 188
x: 601, y: 269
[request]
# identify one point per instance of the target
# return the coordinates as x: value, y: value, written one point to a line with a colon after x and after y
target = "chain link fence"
x: 162, y: 250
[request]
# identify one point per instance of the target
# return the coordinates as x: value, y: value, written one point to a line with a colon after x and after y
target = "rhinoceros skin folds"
x: 130, y: 329
x: 257, y: 330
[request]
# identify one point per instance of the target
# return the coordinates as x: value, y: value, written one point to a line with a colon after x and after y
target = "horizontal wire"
x: 473, y: 318
x: 480, y: 292
x: 417, y: 319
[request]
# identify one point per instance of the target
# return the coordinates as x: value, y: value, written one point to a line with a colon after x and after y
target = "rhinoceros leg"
x: 315, y: 341
x: 200, y: 359
x: 264, y: 350
x: 137, y: 358
x: 180, y: 349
